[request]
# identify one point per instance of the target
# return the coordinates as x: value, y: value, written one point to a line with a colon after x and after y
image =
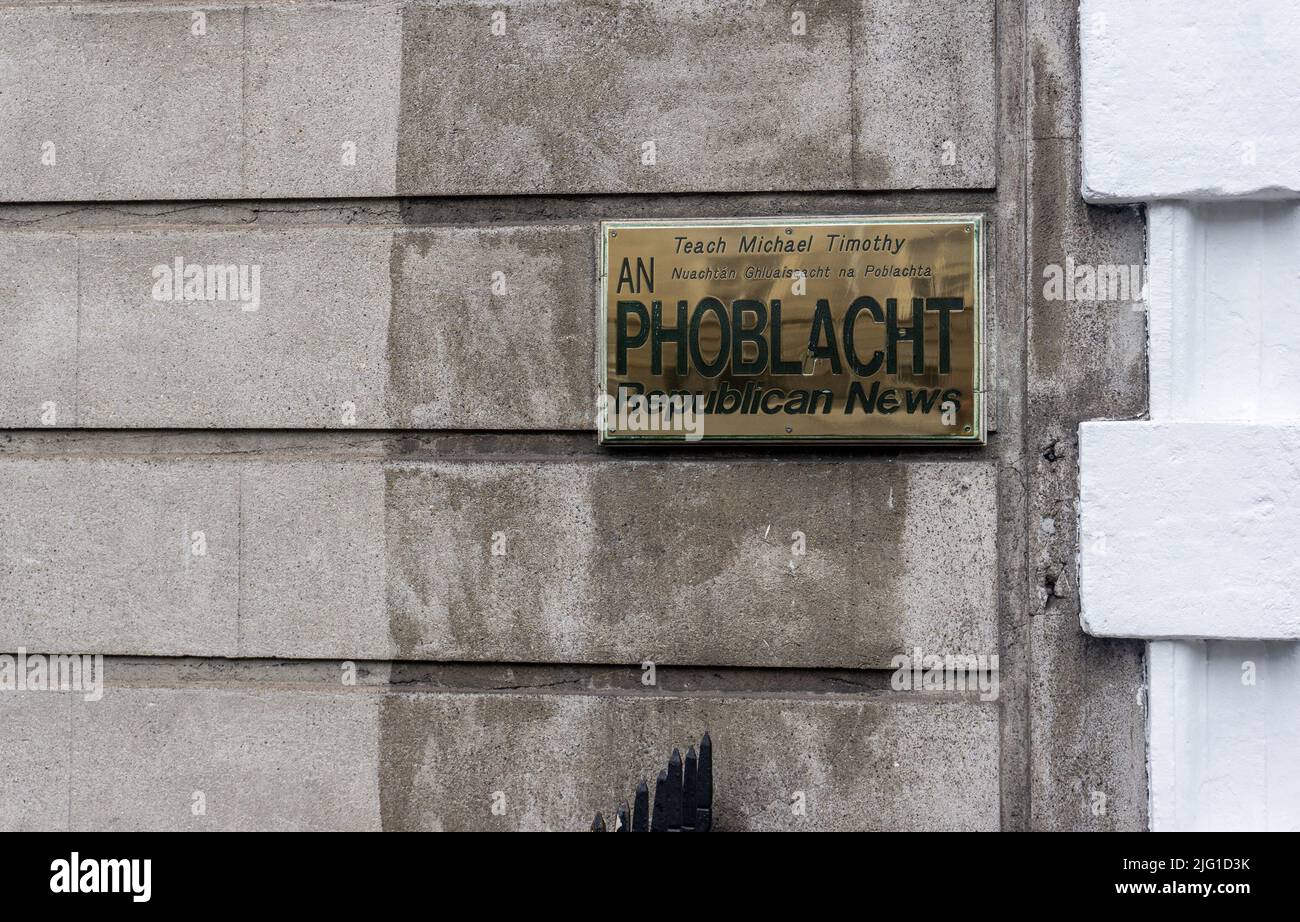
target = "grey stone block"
x: 312, y: 353
x: 563, y: 100
x: 626, y: 561
x: 35, y: 773
x: 98, y: 556
x: 926, y: 96
x: 260, y: 758
x: 321, y: 99
x: 1089, y: 708
x: 354, y: 327
x: 602, y: 561
x: 1086, y: 711
x: 38, y: 329
x: 471, y: 349
x: 125, y: 99
x: 551, y: 761
x: 566, y: 98
x: 313, y: 561
x: 145, y: 756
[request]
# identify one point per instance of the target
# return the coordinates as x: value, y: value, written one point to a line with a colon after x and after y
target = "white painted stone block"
x: 1191, y: 99
x: 1224, y: 311
x: 1188, y: 523
x: 1224, y: 732
x: 1190, y: 529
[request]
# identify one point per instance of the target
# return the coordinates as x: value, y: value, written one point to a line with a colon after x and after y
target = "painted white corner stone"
x: 1223, y: 302
x: 1190, y: 523
x: 1189, y: 99
x: 1190, y: 530
x: 1224, y: 733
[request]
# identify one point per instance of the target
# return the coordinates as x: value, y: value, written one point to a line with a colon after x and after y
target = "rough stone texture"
x: 322, y: 85
x: 365, y: 560
x: 315, y: 758
x: 98, y: 556
x: 311, y: 355
x: 262, y: 758
x: 1085, y: 360
x: 133, y: 105
x: 629, y: 561
x: 328, y: 562
x: 452, y: 336
x: 34, y: 775
x: 565, y: 100
x: 1007, y: 361
x: 38, y: 335
x: 892, y: 763
x: 365, y: 327
x: 312, y: 561
x: 735, y: 97
x: 923, y: 71
x: 1217, y: 114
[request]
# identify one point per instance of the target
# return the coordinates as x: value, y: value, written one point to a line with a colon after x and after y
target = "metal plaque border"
x: 975, y: 219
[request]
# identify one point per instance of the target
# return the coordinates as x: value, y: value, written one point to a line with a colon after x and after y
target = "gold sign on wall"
x: 855, y: 329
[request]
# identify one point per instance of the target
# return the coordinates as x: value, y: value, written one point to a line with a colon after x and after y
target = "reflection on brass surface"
x: 855, y: 329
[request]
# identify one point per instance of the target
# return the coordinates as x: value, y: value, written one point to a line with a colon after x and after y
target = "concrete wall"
x: 245, y: 503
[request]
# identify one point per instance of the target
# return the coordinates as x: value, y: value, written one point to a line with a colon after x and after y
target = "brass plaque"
x: 852, y: 329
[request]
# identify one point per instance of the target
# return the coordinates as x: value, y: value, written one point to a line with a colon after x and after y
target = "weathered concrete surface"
x: 368, y: 327
x: 1086, y: 359
x: 38, y: 329
x: 100, y: 556
x: 1007, y: 360
x: 312, y: 353
x: 261, y: 759
x: 923, y: 71
x: 322, y: 85
x: 34, y: 775
x: 556, y: 759
x: 600, y: 560
x: 389, y: 97
x: 285, y: 757
x: 672, y: 562
x: 1069, y: 723
x: 136, y: 105
x: 493, y: 328
x: 119, y: 102
x: 313, y: 567
x: 567, y: 98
